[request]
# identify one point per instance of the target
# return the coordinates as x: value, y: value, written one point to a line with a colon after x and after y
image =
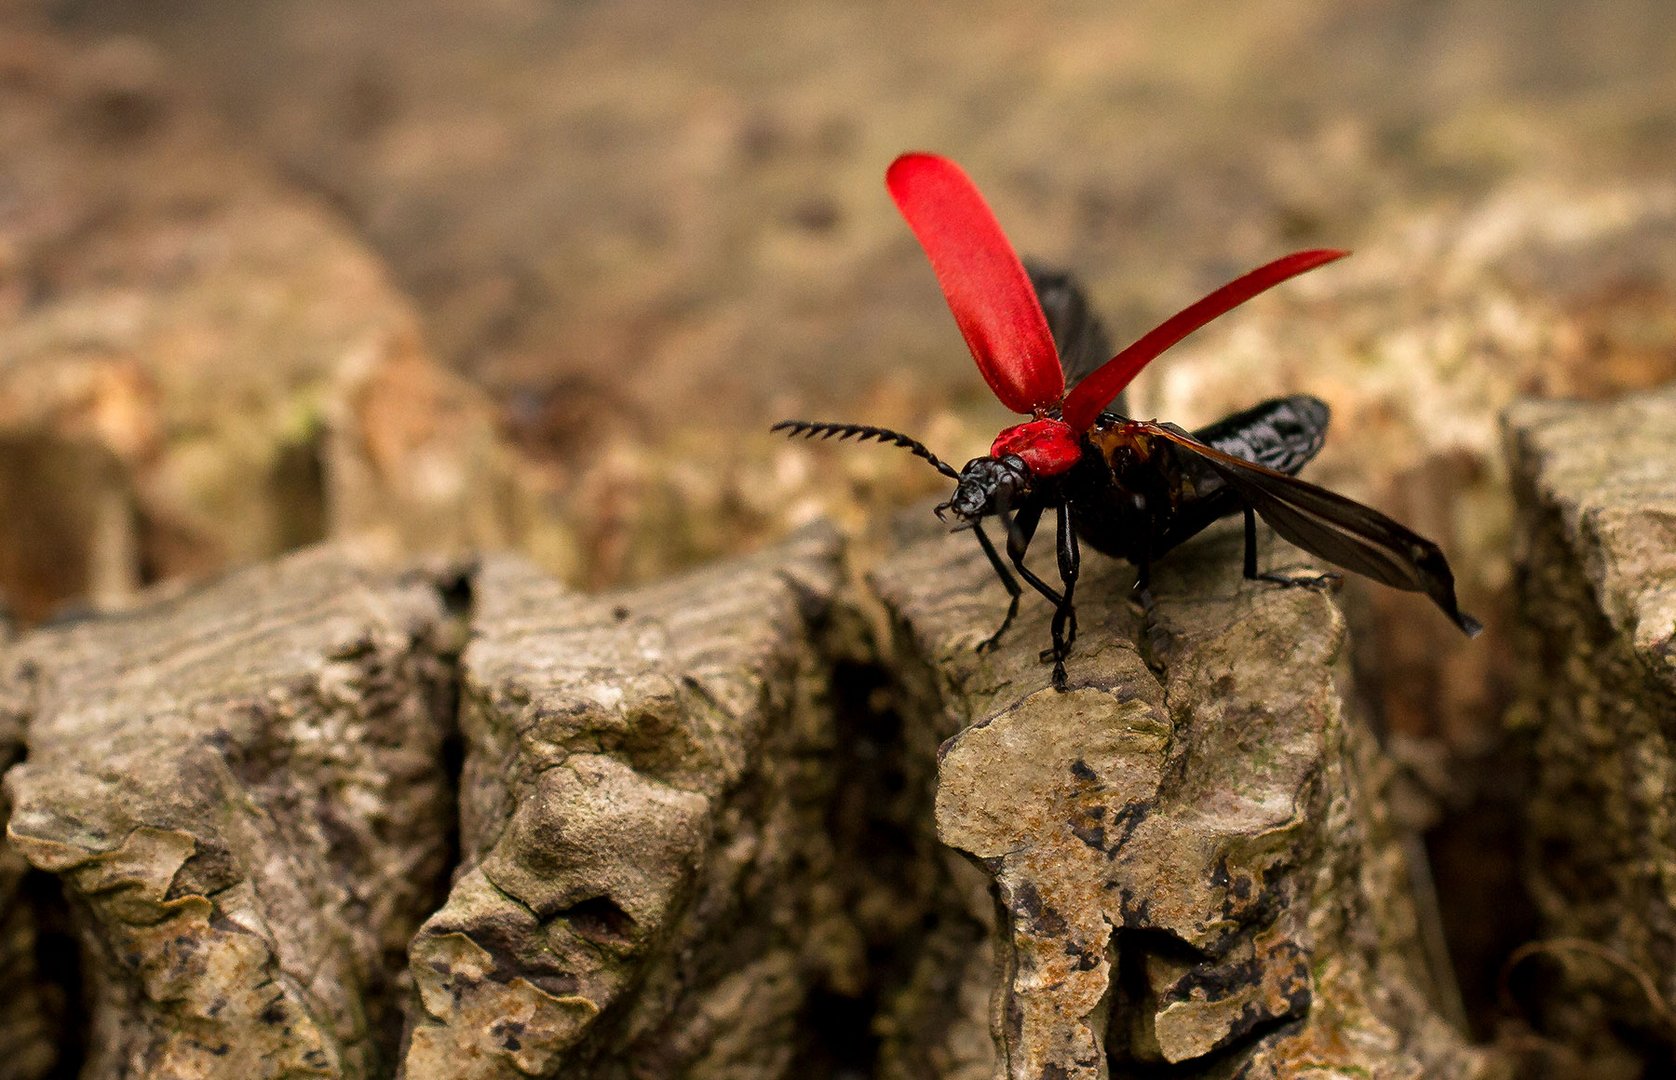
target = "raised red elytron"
x: 1132, y: 489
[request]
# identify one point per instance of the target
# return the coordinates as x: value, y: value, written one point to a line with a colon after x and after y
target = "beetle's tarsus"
x: 993, y: 641
x: 1328, y: 580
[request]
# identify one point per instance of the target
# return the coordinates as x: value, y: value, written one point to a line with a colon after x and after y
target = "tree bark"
x: 1191, y: 863
x: 697, y: 827
x: 646, y: 885
x: 1596, y: 486
x: 242, y: 794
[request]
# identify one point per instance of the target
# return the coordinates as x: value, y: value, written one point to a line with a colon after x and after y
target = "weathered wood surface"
x: 1191, y: 863
x: 242, y: 795
x: 31, y: 1012
x: 1597, y: 492
x: 646, y: 881
x: 697, y: 828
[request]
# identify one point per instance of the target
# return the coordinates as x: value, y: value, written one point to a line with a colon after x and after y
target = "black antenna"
x: 810, y: 429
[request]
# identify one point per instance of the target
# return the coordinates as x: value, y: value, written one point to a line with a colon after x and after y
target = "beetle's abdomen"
x: 1137, y: 497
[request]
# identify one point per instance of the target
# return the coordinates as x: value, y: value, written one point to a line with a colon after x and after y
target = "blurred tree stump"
x: 1597, y: 491
x: 200, y: 365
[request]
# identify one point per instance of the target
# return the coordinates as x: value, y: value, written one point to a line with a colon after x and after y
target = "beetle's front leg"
x: 1007, y: 580
x: 1021, y: 529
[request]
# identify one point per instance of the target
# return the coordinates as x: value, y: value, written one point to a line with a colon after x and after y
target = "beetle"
x: 1131, y: 489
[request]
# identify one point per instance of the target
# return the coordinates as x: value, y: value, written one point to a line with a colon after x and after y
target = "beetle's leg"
x: 1070, y: 562
x: 1313, y: 581
x: 1007, y: 580
x: 1065, y: 616
x: 1250, y: 543
x: 1070, y: 565
x: 1143, y: 565
x: 1020, y: 531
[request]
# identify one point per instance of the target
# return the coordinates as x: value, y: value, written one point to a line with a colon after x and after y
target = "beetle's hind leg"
x: 1310, y: 581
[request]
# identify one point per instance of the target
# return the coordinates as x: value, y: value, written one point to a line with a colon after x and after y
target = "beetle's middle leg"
x: 1311, y: 581
x: 1065, y: 614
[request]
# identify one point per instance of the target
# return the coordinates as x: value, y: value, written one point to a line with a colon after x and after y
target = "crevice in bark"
x: 59, y: 967
x: 841, y: 1044
x: 1133, y: 999
x: 457, y: 588
x: 875, y: 846
x: 1231, y: 1054
x: 299, y: 488
x: 1135, y: 1002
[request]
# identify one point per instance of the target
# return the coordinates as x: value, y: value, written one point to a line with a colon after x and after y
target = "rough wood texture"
x: 1189, y: 854
x: 242, y: 793
x: 1597, y: 492
x: 646, y: 883
x: 1191, y: 863
x: 32, y: 1011
x: 696, y: 828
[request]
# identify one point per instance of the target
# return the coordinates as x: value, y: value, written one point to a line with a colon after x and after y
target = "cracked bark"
x: 697, y: 827
x: 29, y: 1016
x: 645, y: 881
x: 1190, y: 861
x: 241, y: 792
x: 1596, y: 486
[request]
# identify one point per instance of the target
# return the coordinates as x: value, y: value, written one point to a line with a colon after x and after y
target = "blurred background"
x: 424, y: 276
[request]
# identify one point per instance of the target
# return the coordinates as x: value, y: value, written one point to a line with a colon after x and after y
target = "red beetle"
x: 1132, y: 489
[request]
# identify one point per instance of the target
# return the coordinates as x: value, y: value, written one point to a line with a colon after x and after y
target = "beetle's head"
x: 987, y: 485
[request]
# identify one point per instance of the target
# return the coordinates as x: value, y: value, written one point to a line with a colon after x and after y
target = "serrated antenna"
x: 809, y: 429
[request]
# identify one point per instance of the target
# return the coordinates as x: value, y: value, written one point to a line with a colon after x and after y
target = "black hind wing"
x: 1077, y: 332
x: 1340, y: 530
x: 1282, y: 434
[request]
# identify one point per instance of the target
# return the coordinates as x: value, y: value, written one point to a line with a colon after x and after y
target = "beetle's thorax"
x: 1048, y: 447
x: 1122, y: 441
x: 1020, y: 457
